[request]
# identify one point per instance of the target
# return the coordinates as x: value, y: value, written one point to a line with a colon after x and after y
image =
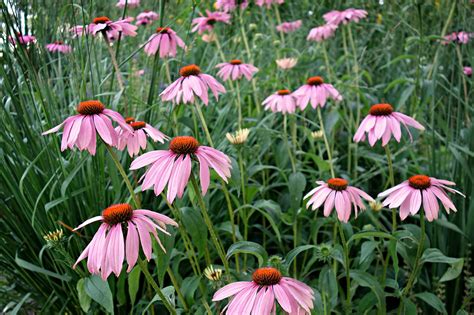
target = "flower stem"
x: 326, y: 143
x: 239, y: 104
x: 391, y: 181
x: 154, y: 285
x: 347, y: 264
x: 290, y: 152
x: 209, y: 224
x: 176, y: 287
x: 117, y: 70
x: 204, y: 125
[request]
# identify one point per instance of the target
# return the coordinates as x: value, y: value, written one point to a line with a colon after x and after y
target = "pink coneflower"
x: 112, y: 29
x: 318, y: 34
x: 337, y: 193
x: 409, y: 195
x: 350, y: 15
x: 286, y: 63
x: 59, y: 46
x: 289, y: 27
x: 192, y: 82
x: 206, y: 23
x: 267, y: 287
x: 457, y: 38
x: 166, y: 40
x: 129, y: 3
x: 230, y: 5
x: 382, y: 122
x: 107, y: 249
x: 80, y: 130
x: 315, y: 91
x: 235, y: 69
x: 79, y: 30
x: 146, y: 17
x: 136, y: 139
x: 21, y: 39
x: 172, y: 167
x: 281, y: 101
x: 467, y: 71
x: 268, y: 3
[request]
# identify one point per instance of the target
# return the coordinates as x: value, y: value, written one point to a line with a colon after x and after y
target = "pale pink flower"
x: 206, y: 23
x: 286, y: 63
x: 79, y: 30
x: 350, y: 15
x: 457, y: 38
x: 318, y: 34
x: 289, y: 27
x: 59, y: 46
x: 209, y: 37
x: 112, y: 29
x: 192, y: 83
x: 166, y: 40
x: 138, y: 137
x: 172, y: 167
x: 235, y: 69
x: 230, y: 5
x: 129, y: 3
x: 259, y: 295
x: 108, y: 248
x: 268, y: 3
x: 467, y: 71
x: 21, y: 39
x: 336, y: 193
x: 146, y: 17
x: 139, y: 73
x: 409, y: 195
x: 80, y: 130
x: 282, y: 101
x: 382, y: 122
x: 317, y: 92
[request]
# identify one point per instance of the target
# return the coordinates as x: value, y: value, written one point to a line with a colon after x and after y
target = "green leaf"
x: 367, y: 280
x: 249, y: 248
x: 366, y: 250
x: 296, y: 186
x: 134, y: 283
x: 84, y: 299
x: 168, y: 292
x: 434, y: 255
x: 29, y: 266
x: 328, y: 286
x: 368, y: 234
x: 99, y: 291
x: 163, y: 258
x: 453, y: 271
x: 189, y: 287
x: 432, y: 300
x: 20, y: 304
x: 295, y: 252
x: 194, y: 224
x: 409, y: 307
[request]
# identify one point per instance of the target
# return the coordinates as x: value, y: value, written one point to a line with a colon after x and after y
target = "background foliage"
x: 396, y: 58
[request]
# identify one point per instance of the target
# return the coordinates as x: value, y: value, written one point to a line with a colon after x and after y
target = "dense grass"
x: 395, y: 57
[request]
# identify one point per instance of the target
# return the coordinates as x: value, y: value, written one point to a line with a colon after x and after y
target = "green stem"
x: 326, y: 142
x: 391, y: 180
x: 209, y: 224
x: 117, y: 71
x: 290, y: 152
x: 239, y: 104
x: 176, y: 287
x: 154, y: 285
x: 204, y: 125
x: 346, y: 263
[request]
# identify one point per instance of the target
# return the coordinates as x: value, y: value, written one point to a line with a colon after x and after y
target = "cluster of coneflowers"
x: 125, y: 228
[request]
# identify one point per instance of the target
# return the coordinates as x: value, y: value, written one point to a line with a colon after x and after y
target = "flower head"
x: 166, y: 40
x: 282, y: 101
x: 231, y: 5
x: 146, y: 17
x: 80, y: 130
x: 457, y: 38
x: 286, y: 63
x: 59, y: 46
x: 350, y: 15
x: 289, y: 27
x: 138, y: 137
x: 53, y: 238
x: 239, y: 137
x: 172, y: 167
x: 418, y: 189
x: 267, y: 287
x: 268, y: 3
x: 318, y: 134
x: 383, y: 122
x: 206, y: 23
x: 129, y: 3
x: 318, y: 34
x: 316, y: 92
x: 192, y: 82
x: 337, y: 193
x: 236, y: 69
x: 467, y: 71
x: 213, y: 274
x: 21, y: 39
x: 111, y: 29
x: 79, y: 30
x: 108, y: 249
